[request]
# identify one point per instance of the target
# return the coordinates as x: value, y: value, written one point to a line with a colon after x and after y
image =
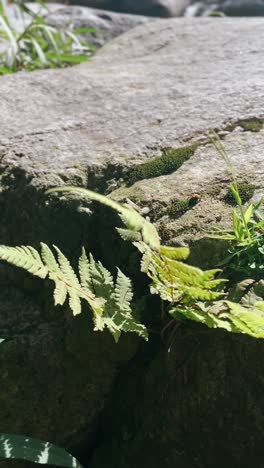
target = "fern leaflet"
x: 109, y: 302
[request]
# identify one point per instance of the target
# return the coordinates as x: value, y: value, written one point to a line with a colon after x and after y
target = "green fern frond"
x: 84, y: 272
x: 70, y: 281
x: 174, y: 280
x: 123, y: 292
x: 101, y: 280
x: 176, y: 253
x: 205, y: 317
x: 24, y: 257
x: 128, y: 235
x: 228, y: 315
x: 60, y: 293
x: 110, y: 302
x: 132, y: 220
x: 49, y: 259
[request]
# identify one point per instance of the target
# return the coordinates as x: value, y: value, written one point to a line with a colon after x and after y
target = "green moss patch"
x: 178, y: 207
x: 170, y: 160
x: 246, y: 192
x: 250, y: 125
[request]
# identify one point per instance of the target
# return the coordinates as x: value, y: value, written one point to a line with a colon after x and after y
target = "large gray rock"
x: 161, y: 85
x: 106, y: 24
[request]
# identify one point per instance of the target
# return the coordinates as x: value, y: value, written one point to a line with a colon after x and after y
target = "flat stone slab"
x: 156, y: 86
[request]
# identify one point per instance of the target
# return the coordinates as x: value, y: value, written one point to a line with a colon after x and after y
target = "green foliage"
x: 190, y: 292
x: 137, y: 227
x: 175, y: 281
x: 170, y: 161
x: 29, y: 43
x: 228, y: 315
x: 246, y: 238
x: 110, y: 302
x: 33, y: 450
x: 250, y: 125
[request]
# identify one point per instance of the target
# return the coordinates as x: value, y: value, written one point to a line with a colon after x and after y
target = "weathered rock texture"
x: 159, y: 86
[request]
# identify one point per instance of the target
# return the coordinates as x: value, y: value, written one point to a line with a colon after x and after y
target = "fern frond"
x: 123, y: 292
x: 60, y: 293
x: 110, y: 302
x: 176, y: 253
x: 84, y: 272
x: 145, y: 262
x: 205, y: 317
x: 49, y: 259
x: 128, y: 235
x: 67, y: 270
x: 71, y: 282
x: 24, y: 257
x: 132, y: 220
x: 101, y: 280
x: 228, y: 315
x: 174, y: 280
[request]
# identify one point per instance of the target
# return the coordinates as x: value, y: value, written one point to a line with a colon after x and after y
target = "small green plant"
x: 29, y: 43
x: 246, y: 238
x: 21, y: 447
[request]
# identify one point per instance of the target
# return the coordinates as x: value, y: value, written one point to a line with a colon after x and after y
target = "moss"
x: 246, y: 192
x: 170, y: 160
x: 250, y: 125
x: 178, y: 207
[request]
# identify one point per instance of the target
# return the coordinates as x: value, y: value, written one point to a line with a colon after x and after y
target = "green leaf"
x: 248, y: 213
x: 67, y: 58
x: 21, y: 447
x: 235, y: 193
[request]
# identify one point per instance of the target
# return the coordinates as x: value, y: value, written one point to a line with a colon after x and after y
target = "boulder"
x: 106, y: 25
x: 161, y: 8
x: 155, y: 90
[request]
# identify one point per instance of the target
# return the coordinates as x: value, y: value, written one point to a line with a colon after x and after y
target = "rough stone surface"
x: 56, y: 374
x: 160, y: 85
x: 199, y: 405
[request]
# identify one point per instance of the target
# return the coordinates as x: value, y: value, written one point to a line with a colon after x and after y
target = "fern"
x: 109, y: 302
x: 192, y: 294
x: 174, y: 280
